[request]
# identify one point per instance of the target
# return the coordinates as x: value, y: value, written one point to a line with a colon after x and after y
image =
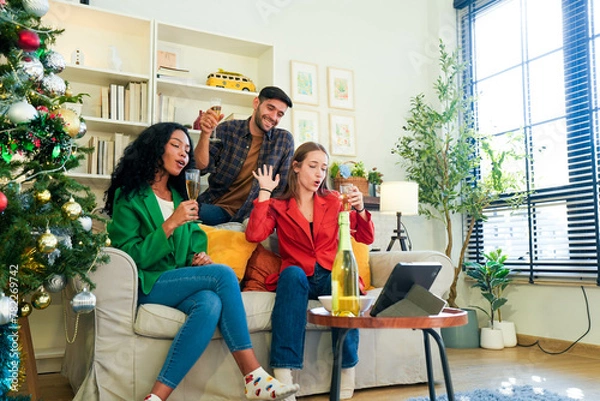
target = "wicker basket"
x: 360, y: 182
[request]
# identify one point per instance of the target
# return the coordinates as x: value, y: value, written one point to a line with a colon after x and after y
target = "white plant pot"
x: 491, y: 338
x: 508, y: 332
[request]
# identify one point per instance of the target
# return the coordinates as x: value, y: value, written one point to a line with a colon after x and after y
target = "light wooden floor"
x: 566, y: 374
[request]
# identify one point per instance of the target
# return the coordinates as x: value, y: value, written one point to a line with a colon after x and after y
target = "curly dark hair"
x: 141, y: 160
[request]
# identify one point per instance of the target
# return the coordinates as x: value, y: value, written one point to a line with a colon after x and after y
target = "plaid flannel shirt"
x: 227, y: 158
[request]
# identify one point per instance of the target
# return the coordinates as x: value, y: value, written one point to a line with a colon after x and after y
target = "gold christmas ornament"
x: 71, y: 209
x: 107, y: 242
x: 43, y: 196
x: 41, y: 299
x: 47, y: 242
x: 29, y: 262
x: 25, y: 309
x: 71, y: 120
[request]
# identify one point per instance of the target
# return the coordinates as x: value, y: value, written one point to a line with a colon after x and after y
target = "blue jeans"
x: 212, y: 215
x: 288, y: 319
x: 210, y: 296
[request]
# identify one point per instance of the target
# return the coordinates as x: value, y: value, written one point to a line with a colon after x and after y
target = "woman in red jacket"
x: 306, y: 220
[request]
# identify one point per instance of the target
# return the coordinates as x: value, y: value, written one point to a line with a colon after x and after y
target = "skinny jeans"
x: 210, y: 297
x: 288, y: 320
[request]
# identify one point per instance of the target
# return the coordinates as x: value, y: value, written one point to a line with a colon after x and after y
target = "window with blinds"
x: 533, y: 68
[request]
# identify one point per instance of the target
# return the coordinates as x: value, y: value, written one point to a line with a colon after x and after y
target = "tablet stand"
x: 417, y: 302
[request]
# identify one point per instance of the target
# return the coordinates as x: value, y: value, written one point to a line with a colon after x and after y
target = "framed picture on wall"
x: 305, y: 82
x: 342, y: 133
x: 305, y: 126
x: 340, y: 88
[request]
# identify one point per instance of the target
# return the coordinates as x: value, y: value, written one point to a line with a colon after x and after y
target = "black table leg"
x: 445, y: 365
x: 336, y: 372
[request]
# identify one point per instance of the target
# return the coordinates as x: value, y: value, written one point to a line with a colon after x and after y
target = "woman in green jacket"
x: 154, y: 223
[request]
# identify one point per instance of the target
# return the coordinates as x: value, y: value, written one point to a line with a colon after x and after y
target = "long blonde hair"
x: 291, y: 188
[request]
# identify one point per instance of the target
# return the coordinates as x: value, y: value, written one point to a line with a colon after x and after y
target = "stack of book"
x: 174, y: 74
x: 125, y: 102
x: 107, y: 153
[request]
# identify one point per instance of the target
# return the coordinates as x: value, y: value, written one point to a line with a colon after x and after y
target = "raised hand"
x: 265, y: 178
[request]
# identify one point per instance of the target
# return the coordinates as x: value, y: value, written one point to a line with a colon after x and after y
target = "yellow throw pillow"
x: 361, y: 253
x: 229, y: 248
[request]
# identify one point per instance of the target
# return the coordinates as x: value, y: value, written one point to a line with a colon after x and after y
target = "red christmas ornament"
x: 28, y: 40
x: 3, y: 202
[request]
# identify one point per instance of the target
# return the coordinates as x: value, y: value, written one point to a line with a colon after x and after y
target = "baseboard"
x: 554, y: 345
x: 49, y: 360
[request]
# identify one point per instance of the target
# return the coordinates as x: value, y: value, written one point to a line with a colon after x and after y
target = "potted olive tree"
x: 459, y: 170
x: 492, y: 278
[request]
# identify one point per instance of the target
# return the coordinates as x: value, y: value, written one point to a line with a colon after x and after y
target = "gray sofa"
x: 119, y: 348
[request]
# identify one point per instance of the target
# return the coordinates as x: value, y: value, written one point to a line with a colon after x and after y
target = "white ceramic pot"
x: 508, y: 332
x: 491, y: 338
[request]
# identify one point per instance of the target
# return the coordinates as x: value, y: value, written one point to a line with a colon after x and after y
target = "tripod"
x: 399, y: 235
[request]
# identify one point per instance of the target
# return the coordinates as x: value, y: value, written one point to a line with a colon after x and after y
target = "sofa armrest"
x: 382, y: 263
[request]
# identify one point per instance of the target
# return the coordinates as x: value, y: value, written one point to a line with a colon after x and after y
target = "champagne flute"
x: 192, y: 185
x: 215, y: 105
x: 345, y: 189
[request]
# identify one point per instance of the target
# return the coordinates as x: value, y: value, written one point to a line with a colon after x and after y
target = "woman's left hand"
x: 201, y: 259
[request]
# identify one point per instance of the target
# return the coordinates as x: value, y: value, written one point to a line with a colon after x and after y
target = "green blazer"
x: 136, y: 228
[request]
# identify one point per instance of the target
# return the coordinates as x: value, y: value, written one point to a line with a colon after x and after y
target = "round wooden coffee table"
x: 449, y: 317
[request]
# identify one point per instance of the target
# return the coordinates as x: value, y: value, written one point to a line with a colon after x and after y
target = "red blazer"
x: 297, y: 246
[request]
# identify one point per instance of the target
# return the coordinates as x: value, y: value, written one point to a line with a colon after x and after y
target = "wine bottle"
x: 344, y: 274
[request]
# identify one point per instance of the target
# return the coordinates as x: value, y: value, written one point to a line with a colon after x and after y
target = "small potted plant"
x: 375, y: 179
x: 492, y: 278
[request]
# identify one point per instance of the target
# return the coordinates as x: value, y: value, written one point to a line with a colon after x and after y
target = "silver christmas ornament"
x: 39, y: 8
x: 56, y: 283
x: 82, y: 130
x: 21, y: 112
x: 83, y: 302
x: 32, y: 67
x: 8, y: 309
x: 54, y: 61
x: 54, y: 85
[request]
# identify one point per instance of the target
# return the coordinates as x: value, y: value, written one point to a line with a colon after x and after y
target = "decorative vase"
x: 509, y: 333
x: 466, y: 336
x: 491, y: 338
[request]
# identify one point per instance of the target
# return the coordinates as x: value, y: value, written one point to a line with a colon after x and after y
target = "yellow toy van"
x: 230, y: 80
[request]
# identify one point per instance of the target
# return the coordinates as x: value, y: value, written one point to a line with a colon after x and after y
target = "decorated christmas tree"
x: 46, y: 234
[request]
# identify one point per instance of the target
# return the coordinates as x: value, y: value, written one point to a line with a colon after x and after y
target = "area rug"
x: 509, y: 393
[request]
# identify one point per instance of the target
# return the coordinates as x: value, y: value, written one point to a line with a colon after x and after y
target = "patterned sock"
x: 347, y: 383
x: 262, y: 386
x: 284, y: 375
x: 152, y: 397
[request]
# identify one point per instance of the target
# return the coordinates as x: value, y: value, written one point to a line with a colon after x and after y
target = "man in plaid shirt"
x: 242, y: 147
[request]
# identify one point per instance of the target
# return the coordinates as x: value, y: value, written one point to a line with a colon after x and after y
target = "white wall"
x: 392, y: 48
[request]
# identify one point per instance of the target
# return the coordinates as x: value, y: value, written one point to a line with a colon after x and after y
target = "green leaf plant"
x: 458, y: 169
x: 491, y: 278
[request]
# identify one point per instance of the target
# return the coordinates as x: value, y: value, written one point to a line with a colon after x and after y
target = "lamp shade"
x: 400, y: 196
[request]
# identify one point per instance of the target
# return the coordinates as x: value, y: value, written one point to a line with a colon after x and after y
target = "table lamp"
x: 401, y: 197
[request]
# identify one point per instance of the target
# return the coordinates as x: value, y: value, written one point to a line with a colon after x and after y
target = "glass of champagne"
x: 215, y: 105
x: 192, y: 184
x: 345, y: 189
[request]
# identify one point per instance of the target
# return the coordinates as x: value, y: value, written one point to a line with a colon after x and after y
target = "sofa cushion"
x: 230, y: 248
x: 158, y: 321
x: 262, y: 263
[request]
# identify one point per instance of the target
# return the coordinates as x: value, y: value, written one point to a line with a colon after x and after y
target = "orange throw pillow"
x: 261, y: 264
x: 361, y: 253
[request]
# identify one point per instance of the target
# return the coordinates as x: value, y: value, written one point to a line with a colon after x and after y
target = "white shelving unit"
x: 96, y: 33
